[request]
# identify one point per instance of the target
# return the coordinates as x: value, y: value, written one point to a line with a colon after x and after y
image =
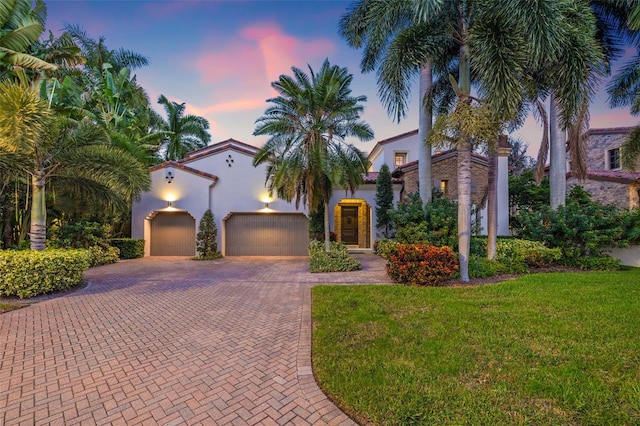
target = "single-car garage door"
x: 173, y: 234
x: 266, y: 234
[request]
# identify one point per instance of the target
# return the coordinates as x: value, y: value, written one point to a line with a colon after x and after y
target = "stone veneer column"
x: 503, y: 186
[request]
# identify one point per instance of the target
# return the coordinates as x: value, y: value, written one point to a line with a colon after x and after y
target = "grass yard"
x: 561, y: 348
x: 6, y: 307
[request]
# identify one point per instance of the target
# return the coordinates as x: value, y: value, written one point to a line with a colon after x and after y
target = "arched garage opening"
x: 173, y: 234
x: 266, y: 234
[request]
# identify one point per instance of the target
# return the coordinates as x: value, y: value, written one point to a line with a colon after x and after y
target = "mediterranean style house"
x: 606, y: 181
x: 221, y: 177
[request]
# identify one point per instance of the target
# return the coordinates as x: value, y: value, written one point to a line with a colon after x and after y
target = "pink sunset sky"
x: 219, y: 57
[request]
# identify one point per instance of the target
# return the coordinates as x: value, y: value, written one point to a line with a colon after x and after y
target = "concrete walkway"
x: 172, y: 341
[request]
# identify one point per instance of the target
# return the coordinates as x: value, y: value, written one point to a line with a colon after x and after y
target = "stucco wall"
x: 408, y: 144
x: 240, y: 188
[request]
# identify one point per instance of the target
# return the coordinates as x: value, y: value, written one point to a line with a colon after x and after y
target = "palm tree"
x: 57, y: 149
x: 20, y: 27
x: 502, y: 40
x: 400, y: 48
x: 308, y: 123
x: 188, y: 132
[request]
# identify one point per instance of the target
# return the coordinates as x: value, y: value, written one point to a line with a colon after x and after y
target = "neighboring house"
x: 221, y: 177
x: 606, y: 181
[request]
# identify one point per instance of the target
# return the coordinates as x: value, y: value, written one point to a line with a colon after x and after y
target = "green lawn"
x: 558, y: 348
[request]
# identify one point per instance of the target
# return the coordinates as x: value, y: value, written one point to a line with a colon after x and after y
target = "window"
x: 400, y: 158
x: 613, y: 156
x: 444, y: 187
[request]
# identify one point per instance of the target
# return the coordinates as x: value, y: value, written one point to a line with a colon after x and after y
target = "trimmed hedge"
x: 31, y: 273
x: 338, y: 260
x: 103, y: 255
x: 130, y: 248
x: 421, y: 264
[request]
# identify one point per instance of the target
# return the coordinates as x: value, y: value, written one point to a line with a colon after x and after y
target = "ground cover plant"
x: 559, y: 348
x: 337, y: 260
x: 6, y: 307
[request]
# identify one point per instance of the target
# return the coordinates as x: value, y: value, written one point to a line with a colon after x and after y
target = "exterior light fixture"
x: 266, y: 205
x: 169, y: 203
x: 169, y: 176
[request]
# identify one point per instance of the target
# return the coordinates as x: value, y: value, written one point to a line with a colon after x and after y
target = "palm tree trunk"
x: 38, y: 212
x: 464, y: 175
x: 492, y: 206
x: 424, y: 130
x: 557, y: 157
x: 327, y: 233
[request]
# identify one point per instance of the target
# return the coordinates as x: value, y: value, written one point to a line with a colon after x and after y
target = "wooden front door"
x: 349, y: 225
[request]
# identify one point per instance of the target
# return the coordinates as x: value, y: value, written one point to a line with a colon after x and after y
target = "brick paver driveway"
x: 171, y: 341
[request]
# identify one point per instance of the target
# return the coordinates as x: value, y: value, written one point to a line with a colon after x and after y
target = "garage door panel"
x: 173, y: 234
x: 266, y: 234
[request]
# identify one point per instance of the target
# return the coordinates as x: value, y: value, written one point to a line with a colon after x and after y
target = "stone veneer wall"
x: 622, y: 195
x: 599, y: 144
x: 447, y: 169
x: 364, y: 221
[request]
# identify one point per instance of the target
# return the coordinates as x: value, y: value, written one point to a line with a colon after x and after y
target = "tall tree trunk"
x: 557, y: 157
x: 327, y: 233
x: 464, y: 174
x: 424, y: 130
x: 492, y: 205
x: 38, y: 212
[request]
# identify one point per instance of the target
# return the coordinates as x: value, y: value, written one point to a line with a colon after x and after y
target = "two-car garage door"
x: 266, y: 234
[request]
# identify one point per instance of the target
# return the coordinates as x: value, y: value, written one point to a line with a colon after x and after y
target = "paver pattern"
x: 172, y: 341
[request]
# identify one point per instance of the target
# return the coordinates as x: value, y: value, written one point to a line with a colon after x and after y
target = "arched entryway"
x: 353, y: 223
x: 173, y: 234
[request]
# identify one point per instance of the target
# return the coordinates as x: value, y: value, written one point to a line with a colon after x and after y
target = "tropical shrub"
x: 519, y: 255
x: 421, y: 264
x: 481, y: 267
x: 206, y: 240
x: 582, y: 228
x: 31, y: 273
x: 130, y: 248
x: 337, y: 260
x: 601, y: 263
x: 384, y: 248
x: 103, y: 255
x: 435, y: 223
x: 80, y: 234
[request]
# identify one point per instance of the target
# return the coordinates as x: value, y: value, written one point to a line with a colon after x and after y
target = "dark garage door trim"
x: 266, y: 234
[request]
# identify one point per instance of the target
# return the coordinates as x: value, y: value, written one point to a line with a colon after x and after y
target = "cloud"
x: 244, y: 67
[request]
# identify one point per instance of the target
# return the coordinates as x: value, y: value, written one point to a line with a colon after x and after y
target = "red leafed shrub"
x: 421, y: 264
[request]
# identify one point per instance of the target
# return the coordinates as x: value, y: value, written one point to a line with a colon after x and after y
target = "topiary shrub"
x: 130, y: 248
x: 421, y: 264
x: 337, y: 260
x: 206, y: 242
x: 31, y: 273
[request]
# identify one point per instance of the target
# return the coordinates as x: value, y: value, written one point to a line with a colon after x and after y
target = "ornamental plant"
x: 421, y: 264
x: 206, y: 243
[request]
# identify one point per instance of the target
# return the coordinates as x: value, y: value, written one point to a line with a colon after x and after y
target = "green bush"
x: 582, y: 228
x: 212, y: 256
x: 31, y: 273
x: 103, y: 255
x: 130, y: 248
x: 81, y: 234
x: 421, y: 264
x: 602, y: 263
x: 518, y: 255
x: 384, y: 248
x: 435, y: 223
x: 337, y: 260
x: 481, y: 267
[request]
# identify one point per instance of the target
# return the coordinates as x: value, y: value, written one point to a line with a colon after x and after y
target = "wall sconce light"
x: 229, y: 160
x: 169, y: 203
x: 266, y: 205
x: 169, y: 176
